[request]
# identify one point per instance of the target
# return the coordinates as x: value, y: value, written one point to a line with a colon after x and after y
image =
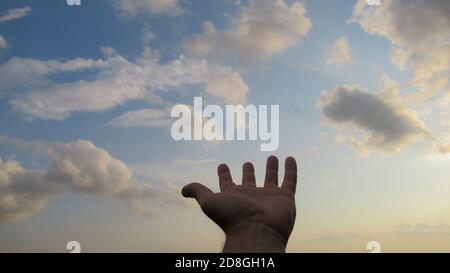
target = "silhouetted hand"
x: 253, y: 219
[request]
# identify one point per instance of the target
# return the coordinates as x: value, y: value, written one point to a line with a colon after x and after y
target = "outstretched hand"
x: 254, y: 219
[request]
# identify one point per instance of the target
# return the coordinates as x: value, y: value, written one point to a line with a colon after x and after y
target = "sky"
x: 85, y: 97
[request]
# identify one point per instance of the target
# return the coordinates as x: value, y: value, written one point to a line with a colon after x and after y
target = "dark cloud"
x: 385, y: 125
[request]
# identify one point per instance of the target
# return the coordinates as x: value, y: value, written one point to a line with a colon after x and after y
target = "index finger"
x: 225, y: 180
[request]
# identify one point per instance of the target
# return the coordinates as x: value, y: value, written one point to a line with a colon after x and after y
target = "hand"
x: 253, y: 219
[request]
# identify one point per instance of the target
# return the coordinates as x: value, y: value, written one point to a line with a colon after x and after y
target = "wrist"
x: 254, y: 237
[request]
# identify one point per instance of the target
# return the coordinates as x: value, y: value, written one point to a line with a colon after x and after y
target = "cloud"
x: 339, y: 52
x: 419, y: 32
x: 58, y: 102
x: 76, y: 167
x: 442, y: 146
x: 259, y: 31
x: 18, y: 74
x: 423, y: 229
x: 130, y: 8
x: 383, y: 121
x: 3, y: 43
x: 19, y: 199
x: 116, y: 80
x: 226, y: 84
x: 142, y: 118
x: 222, y: 83
x: 14, y: 14
x: 147, y: 37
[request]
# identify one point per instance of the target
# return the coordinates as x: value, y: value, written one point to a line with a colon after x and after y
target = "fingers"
x: 225, y: 180
x: 271, y: 172
x: 290, y: 175
x: 248, y: 175
x: 197, y: 191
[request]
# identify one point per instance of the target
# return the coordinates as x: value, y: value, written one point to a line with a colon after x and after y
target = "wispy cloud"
x: 142, y: 118
x: 424, y: 229
x: 10, y: 15
x: 15, y: 14
x: 117, y: 80
x: 3, y: 43
x: 130, y: 8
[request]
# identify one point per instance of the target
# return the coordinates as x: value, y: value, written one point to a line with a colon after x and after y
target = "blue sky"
x: 364, y: 175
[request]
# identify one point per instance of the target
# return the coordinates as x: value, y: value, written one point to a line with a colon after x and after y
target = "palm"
x: 271, y: 205
x: 240, y: 204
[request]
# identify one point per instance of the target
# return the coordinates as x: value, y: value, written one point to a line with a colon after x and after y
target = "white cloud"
x: 77, y: 167
x: 60, y: 101
x: 228, y: 85
x: 3, y: 43
x: 420, y: 34
x: 339, y: 52
x: 222, y: 84
x: 379, y: 121
x: 142, y: 118
x: 259, y: 31
x: 129, y: 8
x: 18, y: 74
x: 14, y: 14
x: 117, y: 80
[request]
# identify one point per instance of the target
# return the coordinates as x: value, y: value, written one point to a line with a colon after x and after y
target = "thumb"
x: 197, y: 191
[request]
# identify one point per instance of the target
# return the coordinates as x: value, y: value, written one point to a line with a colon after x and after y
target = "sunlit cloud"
x: 339, y: 52
x: 78, y: 167
x: 259, y: 31
x: 419, y: 32
x: 117, y: 81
